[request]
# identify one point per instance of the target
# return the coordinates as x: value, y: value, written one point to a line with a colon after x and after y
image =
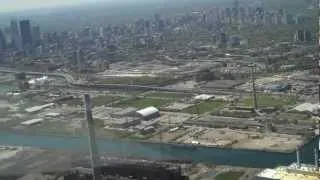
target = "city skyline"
x: 21, y: 5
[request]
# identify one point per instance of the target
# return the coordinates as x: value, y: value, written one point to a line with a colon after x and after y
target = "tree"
x: 20, y: 76
x: 21, y: 80
x: 206, y: 75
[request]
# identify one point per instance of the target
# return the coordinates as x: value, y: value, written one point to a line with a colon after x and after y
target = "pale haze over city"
x: 20, y: 5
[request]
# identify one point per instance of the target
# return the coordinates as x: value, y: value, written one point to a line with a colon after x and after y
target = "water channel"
x: 163, y: 151
x: 160, y: 151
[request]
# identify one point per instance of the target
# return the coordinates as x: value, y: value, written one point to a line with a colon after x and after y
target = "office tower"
x: 259, y: 12
x: 222, y: 15
x: 251, y: 14
x: 283, y: 16
x: 222, y: 39
x: 299, y: 36
x: 307, y: 36
x: 36, y: 35
x: 15, y: 36
x: 147, y: 27
x: 39, y: 50
x: 228, y: 15
x: 14, y: 27
x: 78, y: 60
x: 87, y: 32
x: 2, y: 41
x: 217, y: 15
x: 101, y: 32
x: 157, y: 18
x: 25, y: 30
x: 274, y: 18
x: 235, y: 11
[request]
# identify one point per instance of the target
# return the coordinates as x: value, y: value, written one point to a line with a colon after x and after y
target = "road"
x: 72, y: 83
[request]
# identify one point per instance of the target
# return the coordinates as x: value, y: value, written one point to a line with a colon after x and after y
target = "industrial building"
x: 122, y: 123
x: 308, y: 107
x: 38, y: 108
x: 295, y: 171
x: 32, y: 122
x: 148, y: 113
x: 292, y: 172
x: 130, y: 111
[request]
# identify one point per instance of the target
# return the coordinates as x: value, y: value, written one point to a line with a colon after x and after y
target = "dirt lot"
x: 241, y: 139
x: 169, y: 135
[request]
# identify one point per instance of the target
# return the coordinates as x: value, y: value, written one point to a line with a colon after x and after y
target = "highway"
x: 101, y: 87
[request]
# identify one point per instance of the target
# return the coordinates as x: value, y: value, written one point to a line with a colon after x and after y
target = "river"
x: 163, y: 151
x: 160, y: 151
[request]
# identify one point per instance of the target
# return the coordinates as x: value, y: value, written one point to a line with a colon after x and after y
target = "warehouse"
x: 32, y: 122
x: 130, y: 111
x: 122, y: 122
x: 148, y: 113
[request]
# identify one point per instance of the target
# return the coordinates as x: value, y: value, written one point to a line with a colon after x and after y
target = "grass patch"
x: 138, y: 136
x: 232, y: 175
x: 170, y: 95
x: 295, y: 117
x: 7, y: 87
x: 143, y: 102
x: 111, y: 134
x: 238, y: 114
x: 270, y: 101
x: 145, y: 80
x: 104, y: 100
x: 205, y: 106
x: 96, y: 101
x: 72, y: 102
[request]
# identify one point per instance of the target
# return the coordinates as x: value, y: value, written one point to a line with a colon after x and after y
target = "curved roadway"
x: 70, y: 80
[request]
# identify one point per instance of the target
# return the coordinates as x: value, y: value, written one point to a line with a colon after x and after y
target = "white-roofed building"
x: 38, y: 108
x: 39, y: 81
x: 308, y: 107
x: 148, y: 113
x: 291, y: 172
x: 32, y: 122
x: 203, y: 97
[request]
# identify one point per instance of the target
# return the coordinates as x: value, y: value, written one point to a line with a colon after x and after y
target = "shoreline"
x: 306, y: 141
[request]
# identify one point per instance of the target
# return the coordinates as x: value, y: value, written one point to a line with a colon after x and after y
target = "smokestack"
x: 254, y: 93
x: 92, y: 137
x: 316, y: 159
x: 319, y: 93
x: 298, y: 158
x: 319, y: 24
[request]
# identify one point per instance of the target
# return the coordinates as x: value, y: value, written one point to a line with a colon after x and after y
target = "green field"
x: 270, y: 101
x: 170, y: 95
x: 7, y: 88
x: 143, y: 102
x: 205, y: 106
x: 145, y: 80
x: 104, y: 100
x: 96, y: 101
x: 232, y: 175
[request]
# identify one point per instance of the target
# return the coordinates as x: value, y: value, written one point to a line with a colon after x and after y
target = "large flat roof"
x: 148, y: 111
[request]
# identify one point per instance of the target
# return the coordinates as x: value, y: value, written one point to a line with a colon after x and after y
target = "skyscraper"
x: 25, y: 30
x: 101, y: 32
x: 15, y: 36
x: 36, y: 35
x: 14, y: 27
x: 2, y: 41
x: 78, y: 60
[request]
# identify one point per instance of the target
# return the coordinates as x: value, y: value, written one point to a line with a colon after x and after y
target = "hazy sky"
x: 20, y: 5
